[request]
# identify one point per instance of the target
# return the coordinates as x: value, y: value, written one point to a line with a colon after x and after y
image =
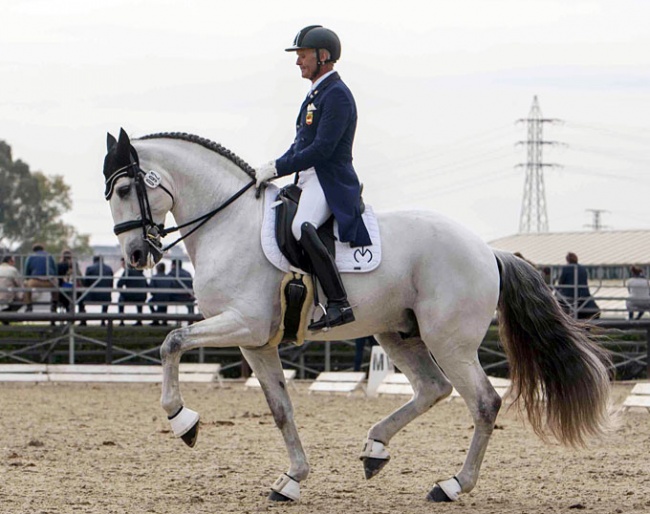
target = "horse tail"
x: 558, y: 371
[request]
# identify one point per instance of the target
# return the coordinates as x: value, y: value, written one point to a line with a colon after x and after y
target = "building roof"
x: 605, y: 247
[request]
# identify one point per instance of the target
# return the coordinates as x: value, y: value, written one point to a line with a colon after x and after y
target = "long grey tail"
x: 558, y: 370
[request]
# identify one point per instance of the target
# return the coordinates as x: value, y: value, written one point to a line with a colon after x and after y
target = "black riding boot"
x: 338, y: 310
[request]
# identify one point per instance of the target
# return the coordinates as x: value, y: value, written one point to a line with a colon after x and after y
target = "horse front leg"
x: 224, y: 330
x: 265, y: 363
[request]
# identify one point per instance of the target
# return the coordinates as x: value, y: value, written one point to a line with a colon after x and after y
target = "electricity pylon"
x: 534, y: 217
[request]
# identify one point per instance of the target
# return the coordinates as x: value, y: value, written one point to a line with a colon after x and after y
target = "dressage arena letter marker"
x: 380, y: 366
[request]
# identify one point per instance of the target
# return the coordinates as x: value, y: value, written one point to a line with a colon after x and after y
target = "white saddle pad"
x: 348, y: 260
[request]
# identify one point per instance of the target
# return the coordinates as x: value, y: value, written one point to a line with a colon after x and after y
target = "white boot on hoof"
x: 183, y: 421
x: 285, y: 488
x: 445, y: 491
x: 374, y: 456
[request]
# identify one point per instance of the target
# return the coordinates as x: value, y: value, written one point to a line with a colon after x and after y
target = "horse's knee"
x: 172, y: 344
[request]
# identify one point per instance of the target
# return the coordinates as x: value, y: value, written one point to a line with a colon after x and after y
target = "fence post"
x: 109, y: 342
x: 647, y: 351
x: 71, y: 356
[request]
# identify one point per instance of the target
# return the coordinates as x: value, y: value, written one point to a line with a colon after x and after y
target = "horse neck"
x: 202, y: 180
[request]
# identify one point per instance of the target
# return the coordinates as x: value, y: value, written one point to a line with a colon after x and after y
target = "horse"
x: 429, y: 305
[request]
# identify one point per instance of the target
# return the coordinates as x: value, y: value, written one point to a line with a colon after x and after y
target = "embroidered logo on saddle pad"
x: 348, y: 260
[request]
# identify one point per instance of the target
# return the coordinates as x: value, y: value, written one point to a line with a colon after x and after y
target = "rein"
x: 151, y: 231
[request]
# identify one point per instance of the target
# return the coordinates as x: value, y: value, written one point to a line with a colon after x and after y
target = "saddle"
x: 285, y: 211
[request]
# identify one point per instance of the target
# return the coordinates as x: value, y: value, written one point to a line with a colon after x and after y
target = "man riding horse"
x: 321, y: 157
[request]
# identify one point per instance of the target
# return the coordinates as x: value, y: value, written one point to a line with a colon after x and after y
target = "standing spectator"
x: 639, y: 293
x: 40, y: 272
x: 10, y: 284
x: 69, y: 279
x: 158, y: 300
x: 573, y: 287
x: 132, y: 279
x: 359, y: 349
x: 182, y: 279
x: 98, y: 275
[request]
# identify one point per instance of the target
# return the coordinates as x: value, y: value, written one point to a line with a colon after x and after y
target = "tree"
x: 31, y: 206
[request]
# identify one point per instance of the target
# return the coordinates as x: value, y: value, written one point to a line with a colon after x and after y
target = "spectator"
x: 158, y: 300
x: 10, y: 284
x: 639, y: 293
x: 182, y: 279
x: 573, y: 289
x: 360, y: 345
x: 132, y: 279
x: 69, y: 279
x: 98, y: 275
x: 40, y: 272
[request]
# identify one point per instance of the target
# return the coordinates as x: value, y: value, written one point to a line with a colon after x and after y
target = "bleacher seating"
x: 253, y: 383
x: 398, y: 384
x: 638, y: 397
x: 345, y: 382
x: 188, y: 372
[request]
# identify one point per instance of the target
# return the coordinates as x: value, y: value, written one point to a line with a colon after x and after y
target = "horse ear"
x: 124, y: 138
x: 110, y: 141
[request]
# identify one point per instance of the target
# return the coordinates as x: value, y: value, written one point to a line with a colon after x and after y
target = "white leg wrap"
x: 374, y: 450
x: 287, y: 486
x: 183, y: 421
x: 451, y: 488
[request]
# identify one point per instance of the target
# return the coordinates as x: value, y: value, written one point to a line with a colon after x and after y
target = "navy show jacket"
x: 324, y: 135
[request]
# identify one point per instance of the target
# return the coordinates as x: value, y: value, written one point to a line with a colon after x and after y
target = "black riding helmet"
x: 318, y: 37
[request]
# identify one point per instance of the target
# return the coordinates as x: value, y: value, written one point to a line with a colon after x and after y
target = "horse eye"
x: 123, y: 191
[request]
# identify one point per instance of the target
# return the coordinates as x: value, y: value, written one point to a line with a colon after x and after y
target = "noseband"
x: 152, y: 232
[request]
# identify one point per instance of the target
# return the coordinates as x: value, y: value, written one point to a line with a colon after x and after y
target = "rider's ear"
x: 110, y: 141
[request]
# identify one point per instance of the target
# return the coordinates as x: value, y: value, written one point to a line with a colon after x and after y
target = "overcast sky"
x: 439, y: 86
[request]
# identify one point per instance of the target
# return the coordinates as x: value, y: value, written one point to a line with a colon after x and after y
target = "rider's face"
x: 307, y: 62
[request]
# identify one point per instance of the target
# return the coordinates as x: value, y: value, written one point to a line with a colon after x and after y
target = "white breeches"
x: 312, y: 207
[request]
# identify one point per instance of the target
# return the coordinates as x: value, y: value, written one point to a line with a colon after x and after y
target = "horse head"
x: 139, y: 202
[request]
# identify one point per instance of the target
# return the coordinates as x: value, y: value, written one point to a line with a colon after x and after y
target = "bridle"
x: 152, y: 232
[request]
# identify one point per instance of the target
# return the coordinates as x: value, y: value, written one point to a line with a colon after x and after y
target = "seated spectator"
x: 98, y: 276
x: 639, y: 293
x: 130, y: 281
x: 182, y: 279
x: 40, y: 272
x: 11, y: 282
x: 158, y: 300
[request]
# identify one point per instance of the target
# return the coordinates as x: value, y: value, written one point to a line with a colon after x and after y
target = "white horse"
x: 429, y: 304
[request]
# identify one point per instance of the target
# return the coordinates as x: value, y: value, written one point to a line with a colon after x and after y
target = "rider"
x: 321, y: 155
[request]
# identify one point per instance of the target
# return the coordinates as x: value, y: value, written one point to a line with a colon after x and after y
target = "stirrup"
x: 334, y: 316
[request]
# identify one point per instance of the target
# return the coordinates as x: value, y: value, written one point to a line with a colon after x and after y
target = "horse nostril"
x: 136, y: 258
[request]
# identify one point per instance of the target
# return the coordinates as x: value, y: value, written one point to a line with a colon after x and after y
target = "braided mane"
x: 206, y: 143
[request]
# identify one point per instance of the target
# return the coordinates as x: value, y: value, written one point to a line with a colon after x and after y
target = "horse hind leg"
x: 429, y: 384
x: 483, y: 402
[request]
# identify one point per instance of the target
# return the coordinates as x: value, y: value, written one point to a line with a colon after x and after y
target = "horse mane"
x: 206, y: 143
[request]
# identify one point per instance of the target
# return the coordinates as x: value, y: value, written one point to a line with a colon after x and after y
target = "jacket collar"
x: 323, y: 85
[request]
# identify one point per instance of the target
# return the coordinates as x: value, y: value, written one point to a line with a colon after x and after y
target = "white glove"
x: 265, y: 172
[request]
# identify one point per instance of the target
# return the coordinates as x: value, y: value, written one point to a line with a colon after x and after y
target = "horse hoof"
x: 373, y: 466
x: 279, y: 497
x: 190, y: 437
x: 445, y: 491
x: 185, y: 424
x: 437, y: 495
